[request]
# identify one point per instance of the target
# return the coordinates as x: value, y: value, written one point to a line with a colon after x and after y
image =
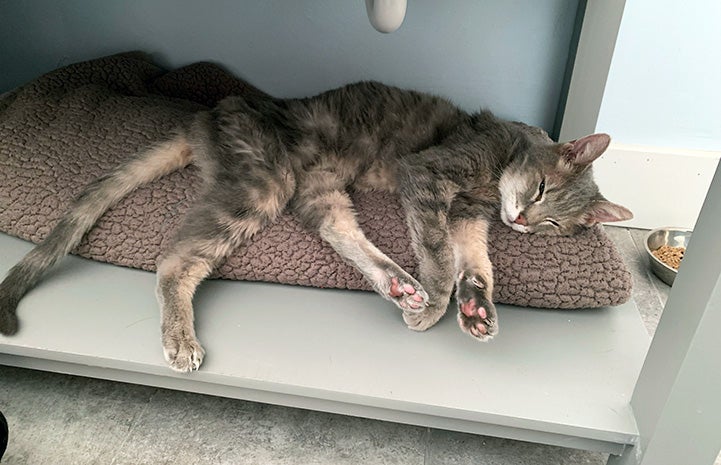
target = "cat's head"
x: 549, y: 188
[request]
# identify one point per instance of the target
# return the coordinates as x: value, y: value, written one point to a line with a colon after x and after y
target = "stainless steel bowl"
x: 673, y: 237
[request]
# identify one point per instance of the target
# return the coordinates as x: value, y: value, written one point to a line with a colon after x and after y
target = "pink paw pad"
x: 395, y: 290
x: 408, y: 296
x: 469, y: 309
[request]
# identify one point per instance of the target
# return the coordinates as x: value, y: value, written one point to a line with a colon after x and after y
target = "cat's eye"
x: 541, y: 189
x: 552, y: 222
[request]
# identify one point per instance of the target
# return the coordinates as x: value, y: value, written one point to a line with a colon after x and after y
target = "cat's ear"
x: 583, y: 151
x: 603, y: 211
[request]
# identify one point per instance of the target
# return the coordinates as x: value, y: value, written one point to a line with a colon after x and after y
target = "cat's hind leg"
x: 212, y: 230
x: 179, y: 274
x: 323, y: 205
x: 203, y: 241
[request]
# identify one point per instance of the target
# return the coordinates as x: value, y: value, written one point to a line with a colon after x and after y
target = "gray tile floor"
x: 60, y: 419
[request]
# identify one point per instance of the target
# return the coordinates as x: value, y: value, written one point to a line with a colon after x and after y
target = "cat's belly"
x: 378, y: 177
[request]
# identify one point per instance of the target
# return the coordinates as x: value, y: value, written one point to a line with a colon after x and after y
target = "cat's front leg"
x: 474, y: 278
x: 476, y: 313
x: 426, y: 213
x: 322, y: 204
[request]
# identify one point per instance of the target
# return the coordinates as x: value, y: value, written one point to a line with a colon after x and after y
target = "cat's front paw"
x: 183, y: 354
x: 476, y: 313
x: 421, y: 321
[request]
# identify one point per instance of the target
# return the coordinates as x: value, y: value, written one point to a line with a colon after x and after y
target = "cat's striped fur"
x: 260, y: 156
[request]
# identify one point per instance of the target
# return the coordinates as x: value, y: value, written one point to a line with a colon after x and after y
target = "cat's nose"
x: 520, y: 219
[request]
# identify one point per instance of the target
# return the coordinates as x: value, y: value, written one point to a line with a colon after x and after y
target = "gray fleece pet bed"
x: 72, y: 125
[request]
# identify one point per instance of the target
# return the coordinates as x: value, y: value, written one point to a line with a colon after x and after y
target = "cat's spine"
x: 94, y: 200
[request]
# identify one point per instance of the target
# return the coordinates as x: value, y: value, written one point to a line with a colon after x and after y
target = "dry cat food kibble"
x: 671, y: 256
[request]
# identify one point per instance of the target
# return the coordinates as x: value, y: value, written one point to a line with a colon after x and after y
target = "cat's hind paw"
x: 183, y: 355
x: 476, y: 314
x: 408, y: 295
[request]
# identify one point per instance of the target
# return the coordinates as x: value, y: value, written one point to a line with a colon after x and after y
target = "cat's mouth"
x: 519, y: 228
x: 515, y: 222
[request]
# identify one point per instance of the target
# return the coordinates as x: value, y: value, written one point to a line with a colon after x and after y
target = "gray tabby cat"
x: 258, y: 156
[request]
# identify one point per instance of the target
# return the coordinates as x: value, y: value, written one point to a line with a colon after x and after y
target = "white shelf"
x: 551, y: 376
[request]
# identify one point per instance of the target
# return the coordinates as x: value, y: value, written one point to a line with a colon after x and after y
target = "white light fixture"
x: 386, y: 15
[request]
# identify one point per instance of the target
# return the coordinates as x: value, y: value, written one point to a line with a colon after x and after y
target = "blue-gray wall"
x: 509, y: 56
x: 664, y: 85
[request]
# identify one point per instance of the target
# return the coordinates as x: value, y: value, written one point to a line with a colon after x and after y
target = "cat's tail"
x: 93, y: 201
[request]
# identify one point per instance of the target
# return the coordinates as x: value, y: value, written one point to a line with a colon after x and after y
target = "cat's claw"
x: 409, y: 297
x: 476, y: 314
x: 184, y: 355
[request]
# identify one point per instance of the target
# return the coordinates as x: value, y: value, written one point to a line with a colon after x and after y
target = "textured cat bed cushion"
x: 64, y: 129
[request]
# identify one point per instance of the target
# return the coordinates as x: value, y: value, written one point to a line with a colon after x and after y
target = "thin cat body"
x: 260, y: 156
